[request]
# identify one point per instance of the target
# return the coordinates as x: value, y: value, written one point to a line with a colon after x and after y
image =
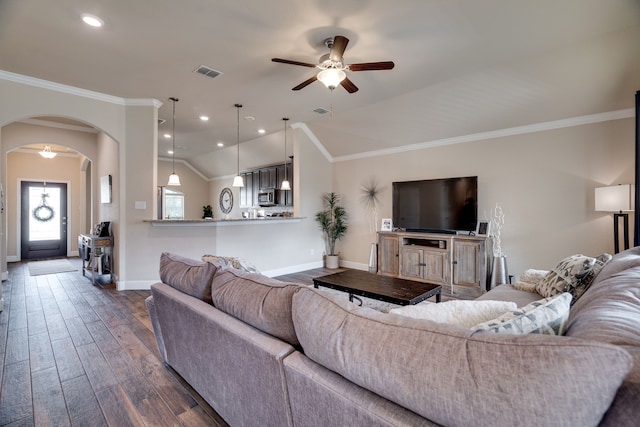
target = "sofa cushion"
x: 546, y: 316
x: 255, y: 299
x: 445, y: 374
x: 508, y: 292
x: 187, y: 275
x: 457, y: 312
x: 573, y: 274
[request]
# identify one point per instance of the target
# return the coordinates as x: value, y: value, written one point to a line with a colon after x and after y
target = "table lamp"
x: 619, y: 200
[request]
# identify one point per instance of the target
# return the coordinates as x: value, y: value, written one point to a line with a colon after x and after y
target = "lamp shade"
x: 238, y: 181
x: 331, y: 77
x: 615, y: 198
x: 174, y: 179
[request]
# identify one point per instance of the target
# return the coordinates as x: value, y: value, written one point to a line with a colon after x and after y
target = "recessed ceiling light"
x: 249, y: 118
x: 92, y: 20
x: 220, y: 144
x: 204, y: 118
x: 169, y: 151
x: 261, y: 131
x: 167, y: 135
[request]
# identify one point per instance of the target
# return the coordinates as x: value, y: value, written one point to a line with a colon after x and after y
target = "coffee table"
x: 382, y: 288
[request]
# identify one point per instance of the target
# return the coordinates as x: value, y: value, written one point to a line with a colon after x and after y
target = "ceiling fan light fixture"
x: 47, y: 153
x: 331, y: 77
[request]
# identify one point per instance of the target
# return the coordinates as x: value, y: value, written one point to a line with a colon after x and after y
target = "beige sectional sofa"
x: 267, y: 353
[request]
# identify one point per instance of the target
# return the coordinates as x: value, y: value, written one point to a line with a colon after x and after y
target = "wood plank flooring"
x: 74, y: 354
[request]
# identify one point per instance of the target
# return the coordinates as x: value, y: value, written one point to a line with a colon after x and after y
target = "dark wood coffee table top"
x: 382, y: 288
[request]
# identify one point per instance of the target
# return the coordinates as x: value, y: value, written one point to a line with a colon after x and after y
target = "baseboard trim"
x: 135, y: 285
x: 292, y: 269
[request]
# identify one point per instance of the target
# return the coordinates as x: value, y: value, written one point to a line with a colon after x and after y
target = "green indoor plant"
x: 333, y: 223
x: 207, y: 212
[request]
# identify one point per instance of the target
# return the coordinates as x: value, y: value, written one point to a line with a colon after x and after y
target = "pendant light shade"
x: 47, y: 153
x: 174, y: 179
x: 238, y: 181
x: 285, y: 184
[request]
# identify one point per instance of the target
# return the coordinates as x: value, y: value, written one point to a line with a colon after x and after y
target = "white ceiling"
x: 462, y: 67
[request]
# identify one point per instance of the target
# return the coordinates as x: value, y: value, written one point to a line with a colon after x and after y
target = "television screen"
x: 436, y: 205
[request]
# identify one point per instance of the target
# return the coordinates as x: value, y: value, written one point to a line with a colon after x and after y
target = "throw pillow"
x: 187, y: 275
x: 457, y: 312
x: 533, y: 276
x: 525, y: 286
x: 575, y: 271
x: 582, y: 287
x: 237, y: 263
x: 547, y: 316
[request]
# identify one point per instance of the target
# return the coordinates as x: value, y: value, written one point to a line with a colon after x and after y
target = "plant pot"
x: 332, y: 261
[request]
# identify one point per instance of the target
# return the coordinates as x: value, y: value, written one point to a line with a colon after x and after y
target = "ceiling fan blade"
x: 287, y: 61
x: 348, y: 85
x: 366, y: 66
x: 338, y: 48
x: 305, y: 83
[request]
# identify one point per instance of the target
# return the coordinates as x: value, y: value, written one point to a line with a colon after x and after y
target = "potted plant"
x: 333, y: 223
x: 207, y: 212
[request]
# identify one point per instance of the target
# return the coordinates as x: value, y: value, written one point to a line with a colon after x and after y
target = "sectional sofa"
x: 267, y: 353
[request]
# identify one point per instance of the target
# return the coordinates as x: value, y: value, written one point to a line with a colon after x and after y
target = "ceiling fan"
x: 332, y: 66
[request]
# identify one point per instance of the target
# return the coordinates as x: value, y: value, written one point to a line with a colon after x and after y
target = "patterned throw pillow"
x: 573, y: 274
x: 547, y: 316
x: 229, y: 261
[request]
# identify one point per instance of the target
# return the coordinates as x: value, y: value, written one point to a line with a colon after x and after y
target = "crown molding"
x: 187, y: 164
x: 71, y: 90
x: 500, y: 133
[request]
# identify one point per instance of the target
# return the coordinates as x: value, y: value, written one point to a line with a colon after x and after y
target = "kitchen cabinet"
x: 269, y: 177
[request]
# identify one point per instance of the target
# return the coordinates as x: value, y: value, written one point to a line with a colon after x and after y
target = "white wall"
x: 192, y: 184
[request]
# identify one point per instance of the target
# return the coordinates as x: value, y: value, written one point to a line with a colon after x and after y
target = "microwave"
x: 267, y: 197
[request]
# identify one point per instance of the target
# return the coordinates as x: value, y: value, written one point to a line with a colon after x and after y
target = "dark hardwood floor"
x: 74, y: 354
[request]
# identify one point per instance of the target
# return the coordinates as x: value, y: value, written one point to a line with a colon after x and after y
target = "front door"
x: 43, y: 220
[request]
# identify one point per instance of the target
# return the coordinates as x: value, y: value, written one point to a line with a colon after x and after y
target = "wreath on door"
x: 43, y: 212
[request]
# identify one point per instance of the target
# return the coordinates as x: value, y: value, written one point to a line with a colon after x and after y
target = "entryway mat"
x: 38, y: 268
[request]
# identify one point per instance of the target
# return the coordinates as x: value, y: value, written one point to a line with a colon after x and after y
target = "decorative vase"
x: 373, y: 258
x: 332, y: 261
x: 499, y: 274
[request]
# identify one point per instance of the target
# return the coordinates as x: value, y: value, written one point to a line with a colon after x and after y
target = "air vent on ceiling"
x: 207, y: 71
x: 161, y: 121
x: 321, y: 110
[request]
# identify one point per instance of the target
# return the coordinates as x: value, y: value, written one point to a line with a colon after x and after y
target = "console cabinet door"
x: 411, y: 260
x: 468, y: 263
x: 388, y: 254
x: 436, y: 266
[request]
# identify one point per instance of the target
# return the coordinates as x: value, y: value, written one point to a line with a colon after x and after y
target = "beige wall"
x: 544, y: 182
x: 192, y: 184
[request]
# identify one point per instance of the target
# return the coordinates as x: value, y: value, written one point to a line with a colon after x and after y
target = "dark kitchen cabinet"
x: 269, y: 177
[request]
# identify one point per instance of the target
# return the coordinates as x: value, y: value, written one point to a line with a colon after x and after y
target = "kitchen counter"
x: 221, y: 222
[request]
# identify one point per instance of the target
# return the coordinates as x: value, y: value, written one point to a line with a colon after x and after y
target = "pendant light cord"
x: 238, y: 107
x: 285, y: 147
x: 173, y: 133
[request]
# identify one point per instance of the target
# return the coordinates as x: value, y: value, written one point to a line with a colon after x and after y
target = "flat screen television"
x: 444, y: 205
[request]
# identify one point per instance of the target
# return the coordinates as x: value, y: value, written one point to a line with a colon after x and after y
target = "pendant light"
x: 238, y: 181
x: 47, y: 153
x: 174, y: 179
x: 285, y: 184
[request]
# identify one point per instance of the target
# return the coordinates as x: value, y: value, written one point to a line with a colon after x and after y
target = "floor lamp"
x: 619, y: 200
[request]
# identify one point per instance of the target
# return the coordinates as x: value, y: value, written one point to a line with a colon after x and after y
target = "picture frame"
x: 105, y: 189
x: 387, y: 224
x: 483, y: 228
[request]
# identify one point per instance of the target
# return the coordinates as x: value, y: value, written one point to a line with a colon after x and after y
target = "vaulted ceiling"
x: 461, y: 67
